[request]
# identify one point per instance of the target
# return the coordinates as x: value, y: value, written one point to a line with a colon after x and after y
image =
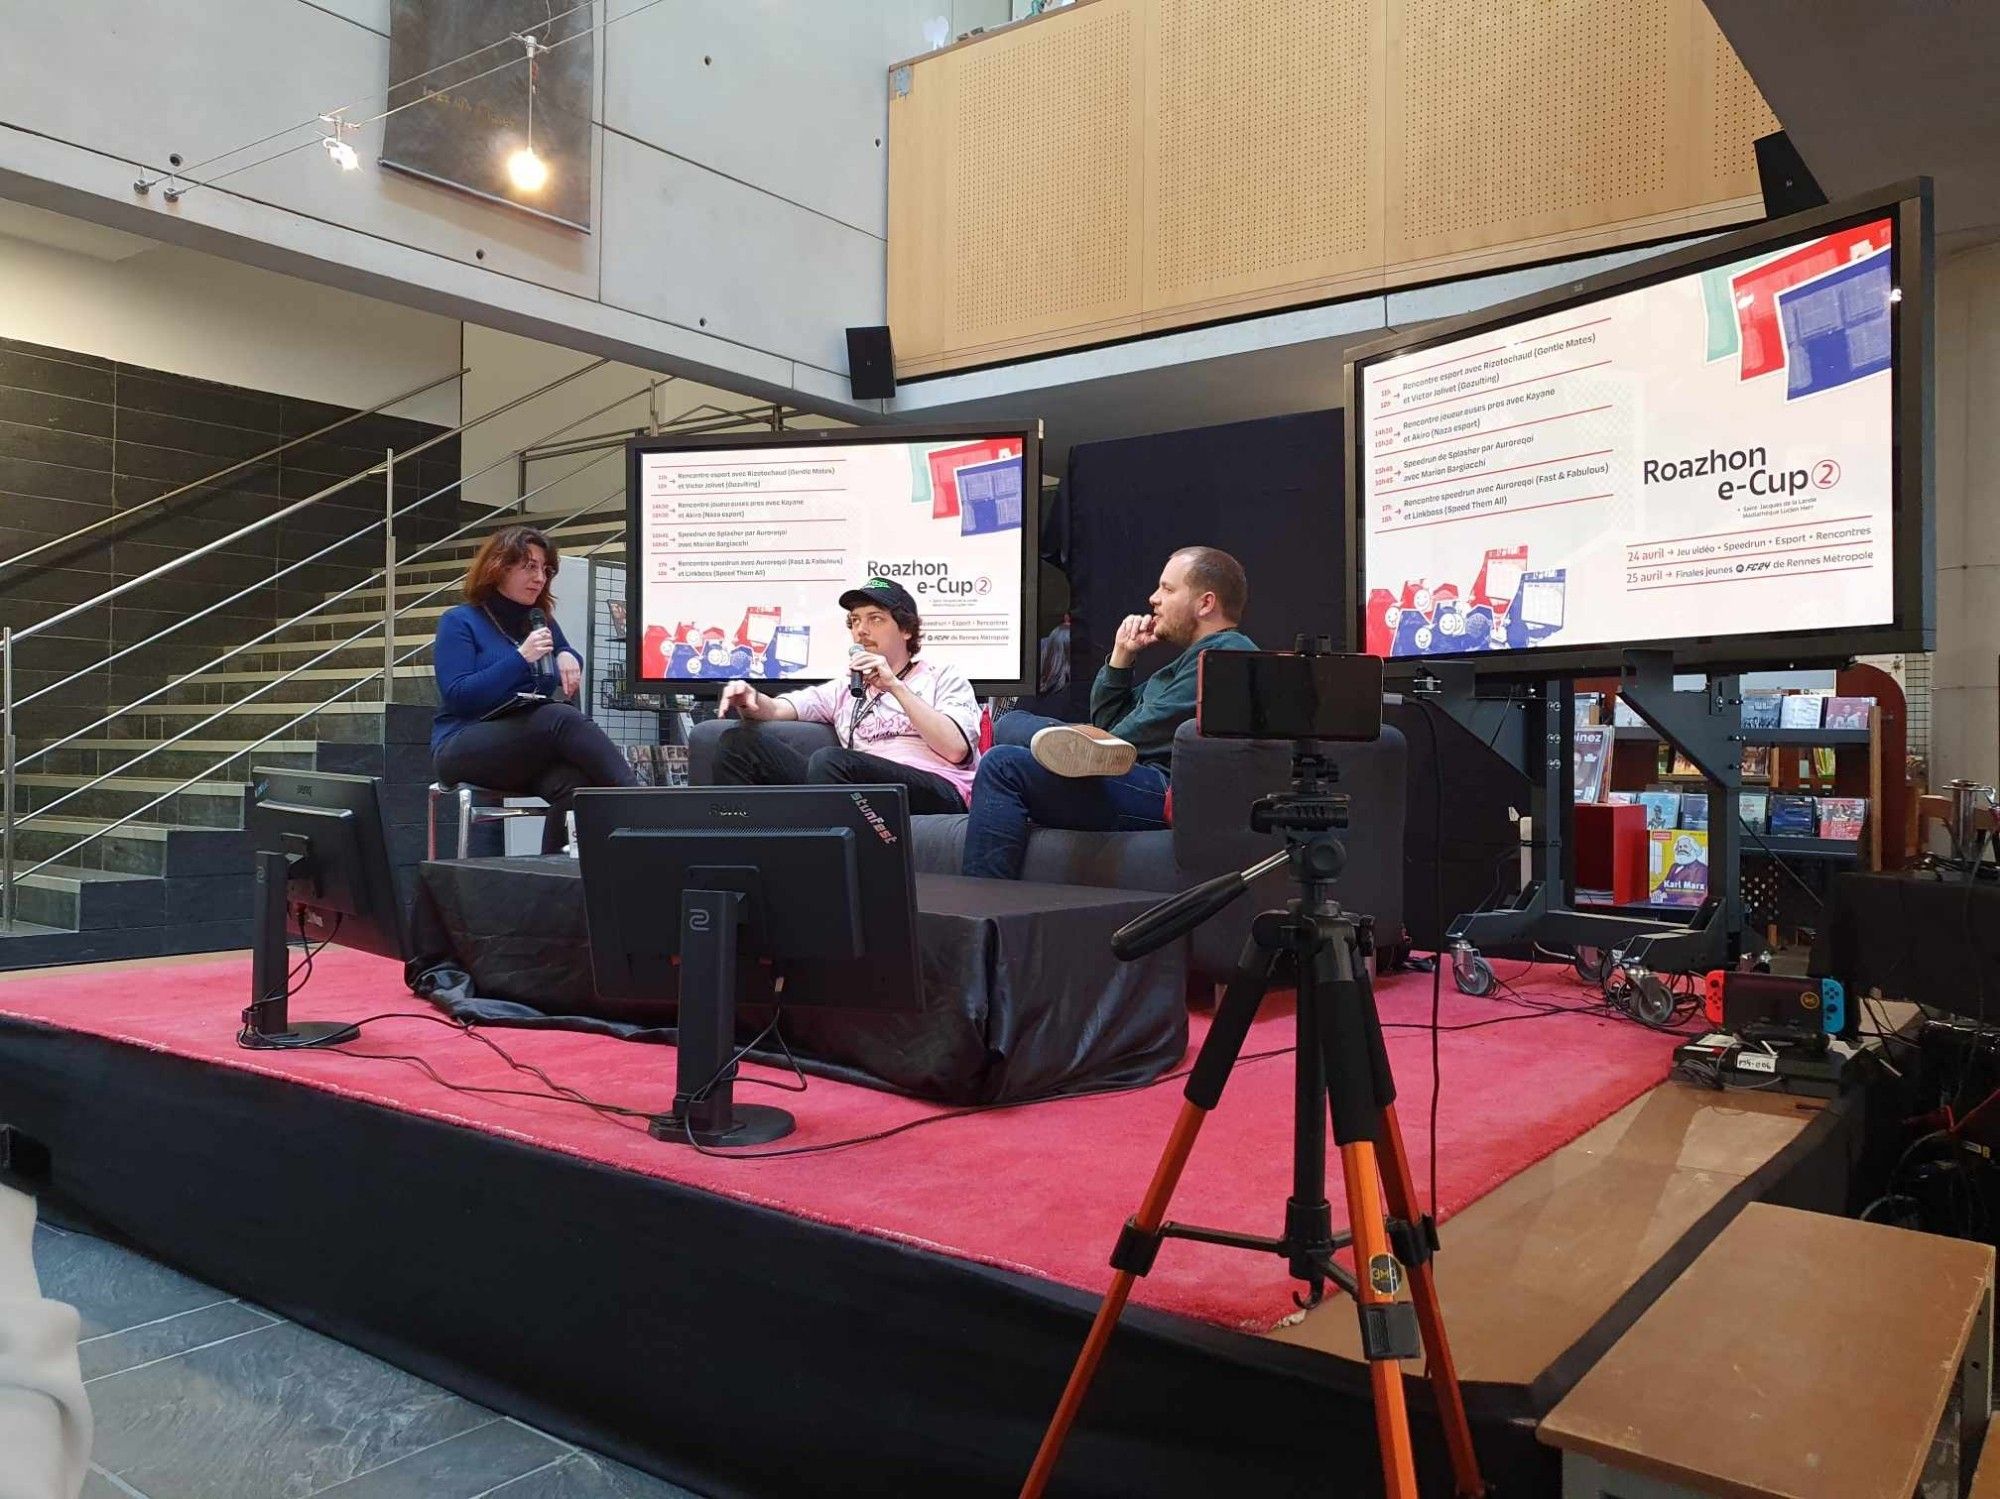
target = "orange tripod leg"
x: 1400, y: 1191
x: 1152, y: 1213
x: 1385, y: 1374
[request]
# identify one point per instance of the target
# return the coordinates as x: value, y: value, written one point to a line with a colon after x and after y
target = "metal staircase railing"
x: 696, y: 419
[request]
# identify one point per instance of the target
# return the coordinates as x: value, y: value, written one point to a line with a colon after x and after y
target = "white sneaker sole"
x: 1070, y: 751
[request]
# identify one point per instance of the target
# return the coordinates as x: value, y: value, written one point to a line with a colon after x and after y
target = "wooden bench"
x: 1800, y: 1355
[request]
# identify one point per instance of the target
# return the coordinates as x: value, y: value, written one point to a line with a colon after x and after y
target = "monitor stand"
x: 266, y: 1023
x: 705, y: 1111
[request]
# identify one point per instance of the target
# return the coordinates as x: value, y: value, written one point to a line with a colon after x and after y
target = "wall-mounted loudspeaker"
x: 1788, y: 186
x: 871, y: 364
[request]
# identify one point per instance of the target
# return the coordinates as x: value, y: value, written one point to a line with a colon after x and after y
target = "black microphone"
x: 854, y: 686
x: 539, y: 621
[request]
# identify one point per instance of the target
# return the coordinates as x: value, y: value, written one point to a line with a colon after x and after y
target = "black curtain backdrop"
x: 1269, y: 492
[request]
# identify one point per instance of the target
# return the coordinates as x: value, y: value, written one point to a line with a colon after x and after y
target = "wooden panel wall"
x: 1126, y: 166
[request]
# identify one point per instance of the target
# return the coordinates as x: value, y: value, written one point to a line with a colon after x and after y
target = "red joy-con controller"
x: 1711, y: 1004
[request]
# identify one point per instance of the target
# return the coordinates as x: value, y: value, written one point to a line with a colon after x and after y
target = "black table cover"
x: 1022, y: 997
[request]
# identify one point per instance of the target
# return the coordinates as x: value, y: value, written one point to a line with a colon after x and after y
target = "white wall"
x: 74, y: 287
x: 740, y: 155
x: 1965, y: 695
x: 503, y: 366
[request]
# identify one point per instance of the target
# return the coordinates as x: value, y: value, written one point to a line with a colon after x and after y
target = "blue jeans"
x: 1012, y: 793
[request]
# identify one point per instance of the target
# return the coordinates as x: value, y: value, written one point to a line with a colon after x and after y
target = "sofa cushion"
x: 1056, y: 856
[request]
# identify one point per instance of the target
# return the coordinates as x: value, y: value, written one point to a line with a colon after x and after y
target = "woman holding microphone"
x: 506, y: 681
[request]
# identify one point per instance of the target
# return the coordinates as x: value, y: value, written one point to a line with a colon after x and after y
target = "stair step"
x: 186, y: 758
x: 77, y: 899
x: 155, y: 848
x: 301, y: 689
x: 346, y: 721
x: 208, y: 804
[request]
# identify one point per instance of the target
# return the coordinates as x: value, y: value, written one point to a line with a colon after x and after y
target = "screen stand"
x: 705, y: 1111
x: 266, y: 1022
x: 1535, y: 734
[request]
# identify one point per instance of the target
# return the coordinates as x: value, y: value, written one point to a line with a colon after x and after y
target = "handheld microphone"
x: 854, y: 687
x: 539, y: 621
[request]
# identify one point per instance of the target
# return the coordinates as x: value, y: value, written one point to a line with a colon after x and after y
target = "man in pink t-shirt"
x: 914, y: 724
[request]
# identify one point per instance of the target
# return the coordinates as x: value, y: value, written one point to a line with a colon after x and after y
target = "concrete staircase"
x: 176, y: 879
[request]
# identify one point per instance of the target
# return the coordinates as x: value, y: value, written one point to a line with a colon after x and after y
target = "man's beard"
x: 1174, y: 630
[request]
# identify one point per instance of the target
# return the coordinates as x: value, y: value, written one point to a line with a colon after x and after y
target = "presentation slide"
x: 1709, y: 456
x: 744, y: 552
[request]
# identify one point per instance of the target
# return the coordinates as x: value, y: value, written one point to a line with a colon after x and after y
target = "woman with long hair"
x: 494, y: 658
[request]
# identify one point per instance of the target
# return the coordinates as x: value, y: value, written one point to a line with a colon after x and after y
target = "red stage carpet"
x: 1040, y: 1188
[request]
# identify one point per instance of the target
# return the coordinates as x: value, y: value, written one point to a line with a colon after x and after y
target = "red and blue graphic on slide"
x: 1507, y: 608
x: 1820, y: 313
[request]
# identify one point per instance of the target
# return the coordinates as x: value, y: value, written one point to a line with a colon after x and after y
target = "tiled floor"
x: 201, y: 1396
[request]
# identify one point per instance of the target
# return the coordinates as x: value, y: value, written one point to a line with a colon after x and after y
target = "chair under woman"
x: 507, y: 683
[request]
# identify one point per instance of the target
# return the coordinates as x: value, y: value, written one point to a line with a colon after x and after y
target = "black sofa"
x: 1215, y: 781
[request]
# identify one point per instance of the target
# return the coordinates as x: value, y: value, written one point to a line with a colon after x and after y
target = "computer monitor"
x: 709, y: 898
x: 322, y: 866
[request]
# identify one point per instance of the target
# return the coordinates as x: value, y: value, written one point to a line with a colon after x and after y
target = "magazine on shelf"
x: 1622, y: 798
x: 1592, y: 748
x: 1625, y: 716
x: 1849, y: 712
x: 1694, y: 809
x: 1756, y: 762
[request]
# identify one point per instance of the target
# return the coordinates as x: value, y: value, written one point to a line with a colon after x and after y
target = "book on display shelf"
x: 1592, y: 750
x: 1677, y: 867
x: 1663, y: 808
x: 1754, y: 808
x: 1842, y: 817
x: 1762, y: 710
x: 1756, y: 764
x: 1802, y: 710
x: 1625, y: 716
x: 1849, y: 712
x: 1694, y: 810
x: 1794, y: 816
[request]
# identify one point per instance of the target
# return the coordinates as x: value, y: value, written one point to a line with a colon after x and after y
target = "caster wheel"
x: 1592, y: 964
x: 1651, y: 1000
x: 1474, y: 976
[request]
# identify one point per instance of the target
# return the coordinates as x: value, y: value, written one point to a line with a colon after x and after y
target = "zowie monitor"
x: 742, y: 546
x: 700, y: 900
x: 322, y: 861
x: 1724, y: 452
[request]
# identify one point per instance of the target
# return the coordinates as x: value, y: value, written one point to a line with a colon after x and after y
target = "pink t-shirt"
x: 875, y: 725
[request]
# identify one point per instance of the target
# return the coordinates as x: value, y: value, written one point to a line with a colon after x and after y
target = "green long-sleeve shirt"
x: 1147, y: 716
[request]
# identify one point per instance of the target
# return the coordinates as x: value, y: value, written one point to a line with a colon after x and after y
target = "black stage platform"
x: 728, y: 1347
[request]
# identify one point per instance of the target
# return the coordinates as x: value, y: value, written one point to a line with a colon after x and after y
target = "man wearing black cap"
x: 913, y: 723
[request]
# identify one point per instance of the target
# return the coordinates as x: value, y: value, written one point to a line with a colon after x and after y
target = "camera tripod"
x: 1342, y: 1068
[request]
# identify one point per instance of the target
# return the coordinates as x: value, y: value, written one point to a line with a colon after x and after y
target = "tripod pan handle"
x: 1176, y: 915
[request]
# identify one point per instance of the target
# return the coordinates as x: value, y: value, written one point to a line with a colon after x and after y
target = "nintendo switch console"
x: 1747, y: 1003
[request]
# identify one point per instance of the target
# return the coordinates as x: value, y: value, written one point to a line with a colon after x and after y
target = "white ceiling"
x: 1874, y: 91
x: 58, y: 231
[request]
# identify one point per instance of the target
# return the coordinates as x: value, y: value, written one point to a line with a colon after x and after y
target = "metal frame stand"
x: 1537, y: 737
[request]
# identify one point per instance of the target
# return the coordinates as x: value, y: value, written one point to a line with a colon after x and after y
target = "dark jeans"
x: 745, y: 757
x: 1013, y: 793
x: 548, y: 752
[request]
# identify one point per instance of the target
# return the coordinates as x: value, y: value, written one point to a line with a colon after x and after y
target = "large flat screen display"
x: 1723, y: 454
x: 741, y: 548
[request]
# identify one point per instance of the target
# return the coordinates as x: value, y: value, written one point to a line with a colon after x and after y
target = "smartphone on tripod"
x: 1304, y: 694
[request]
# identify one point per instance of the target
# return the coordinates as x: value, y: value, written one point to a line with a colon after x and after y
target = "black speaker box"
x: 871, y: 364
x: 1788, y: 186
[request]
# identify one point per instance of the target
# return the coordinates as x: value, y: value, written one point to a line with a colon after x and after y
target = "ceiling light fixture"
x: 527, y: 171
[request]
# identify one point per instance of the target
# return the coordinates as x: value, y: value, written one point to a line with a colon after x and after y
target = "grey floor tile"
x: 280, y: 1413
x: 112, y: 1288
x: 465, y: 1465
x: 585, y: 1476
x: 98, y: 1484
x: 115, y: 1352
